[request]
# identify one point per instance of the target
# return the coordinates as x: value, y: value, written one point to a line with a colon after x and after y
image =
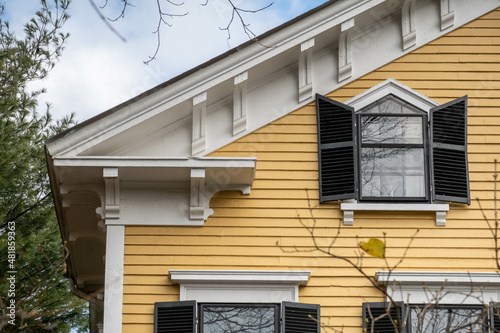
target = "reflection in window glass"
x: 392, y: 172
x: 447, y: 319
x: 383, y: 129
x: 239, y: 319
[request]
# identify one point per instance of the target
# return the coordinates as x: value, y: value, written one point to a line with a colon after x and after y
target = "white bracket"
x: 408, y: 24
x: 112, y: 193
x: 447, y: 14
x: 198, y: 199
x: 345, y: 51
x: 305, y: 70
x: 240, y: 103
x: 199, y: 123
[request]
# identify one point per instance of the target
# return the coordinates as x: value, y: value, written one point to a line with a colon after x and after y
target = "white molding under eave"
x: 148, y: 188
x: 441, y: 287
x: 199, y: 130
x: 305, y: 70
x: 345, y: 50
x: 350, y: 207
x: 409, y: 29
x: 447, y: 14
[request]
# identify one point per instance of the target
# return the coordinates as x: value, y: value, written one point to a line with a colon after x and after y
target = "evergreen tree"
x: 34, y: 294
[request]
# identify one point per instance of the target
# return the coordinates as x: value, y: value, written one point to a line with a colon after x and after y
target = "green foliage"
x: 42, y: 298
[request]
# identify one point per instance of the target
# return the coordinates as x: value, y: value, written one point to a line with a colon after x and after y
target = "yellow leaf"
x: 374, y: 247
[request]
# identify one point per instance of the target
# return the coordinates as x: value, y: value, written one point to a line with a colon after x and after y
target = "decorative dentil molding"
x: 199, y: 124
x: 240, y: 103
x: 447, y: 14
x: 345, y: 51
x: 408, y: 24
x: 305, y: 70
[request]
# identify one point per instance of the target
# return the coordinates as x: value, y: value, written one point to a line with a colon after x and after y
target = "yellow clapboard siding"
x: 482, y: 83
x: 473, y: 32
x: 458, y: 49
x: 449, y: 40
x: 440, y: 76
x: 243, y: 231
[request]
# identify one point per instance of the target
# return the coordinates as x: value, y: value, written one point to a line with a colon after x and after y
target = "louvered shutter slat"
x: 495, y: 317
x: 175, y: 317
x: 386, y: 324
x: 336, y: 150
x: 450, y: 179
x: 300, y: 318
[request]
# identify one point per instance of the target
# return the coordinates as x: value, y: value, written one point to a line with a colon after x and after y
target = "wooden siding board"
x: 244, y: 230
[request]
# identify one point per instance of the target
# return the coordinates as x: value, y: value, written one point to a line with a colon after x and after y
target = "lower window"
x: 427, y: 318
x: 193, y: 317
x: 459, y: 319
x: 251, y: 318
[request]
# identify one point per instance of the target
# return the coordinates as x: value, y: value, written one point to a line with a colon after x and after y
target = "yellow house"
x: 242, y: 195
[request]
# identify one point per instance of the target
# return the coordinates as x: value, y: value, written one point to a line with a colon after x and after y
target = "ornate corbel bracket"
x: 199, y: 124
x: 305, y: 70
x: 409, y: 27
x: 198, y: 207
x: 240, y: 103
x: 447, y: 14
x: 111, y: 193
x: 345, y: 52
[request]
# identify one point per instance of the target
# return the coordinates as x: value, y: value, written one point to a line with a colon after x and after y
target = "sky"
x: 98, y: 70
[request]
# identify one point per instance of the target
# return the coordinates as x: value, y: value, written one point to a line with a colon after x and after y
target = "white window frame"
x: 239, y: 286
x: 405, y: 93
x: 453, y: 288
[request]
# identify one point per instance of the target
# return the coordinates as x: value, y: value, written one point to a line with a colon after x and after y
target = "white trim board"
x: 239, y: 286
x: 441, y: 287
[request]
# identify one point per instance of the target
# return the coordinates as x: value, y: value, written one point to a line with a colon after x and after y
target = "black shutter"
x: 450, y: 172
x: 300, y: 318
x: 336, y: 149
x: 175, y: 317
x: 495, y: 317
x: 383, y: 321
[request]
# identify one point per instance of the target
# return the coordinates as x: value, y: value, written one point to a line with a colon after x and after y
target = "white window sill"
x: 349, y: 207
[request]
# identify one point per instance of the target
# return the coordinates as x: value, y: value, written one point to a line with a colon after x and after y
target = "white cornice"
x: 149, y: 162
x: 441, y: 287
x: 455, y: 278
x: 238, y: 276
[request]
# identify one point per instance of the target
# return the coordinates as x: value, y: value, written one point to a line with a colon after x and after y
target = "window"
x: 384, y: 317
x: 191, y: 317
x: 391, y: 150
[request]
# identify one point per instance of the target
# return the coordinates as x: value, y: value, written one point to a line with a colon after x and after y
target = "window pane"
x: 238, y: 319
x: 442, y: 320
x: 392, y: 172
x: 391, y: 129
